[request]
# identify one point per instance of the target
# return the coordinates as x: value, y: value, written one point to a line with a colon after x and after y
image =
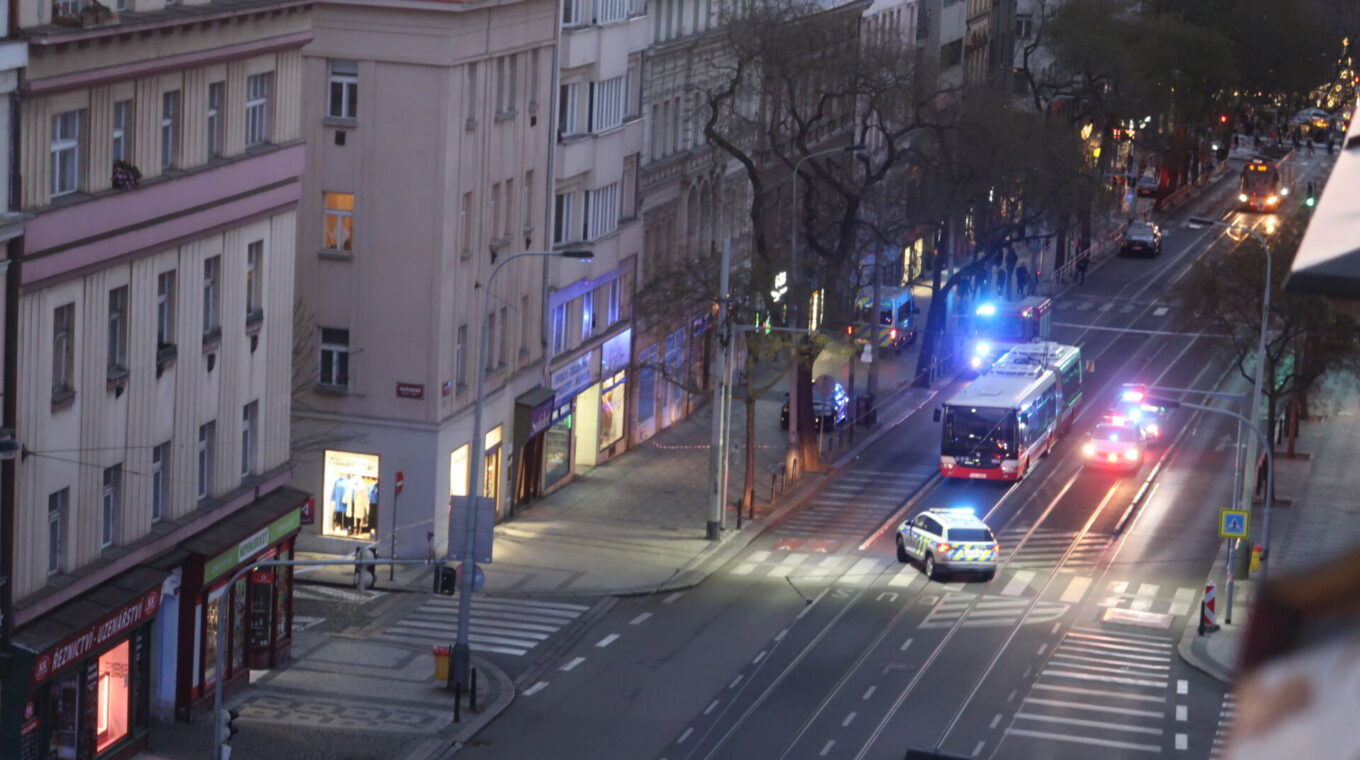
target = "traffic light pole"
x: 223, y: 622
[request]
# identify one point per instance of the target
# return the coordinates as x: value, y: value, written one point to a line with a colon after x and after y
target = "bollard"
x: 1255, y: 558
x: 1208, y: 618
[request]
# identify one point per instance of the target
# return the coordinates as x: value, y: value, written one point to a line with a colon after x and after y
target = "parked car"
x: 830, y: 407
x: 1142, y: 239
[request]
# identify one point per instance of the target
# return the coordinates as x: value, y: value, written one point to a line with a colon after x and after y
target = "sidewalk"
x: 1319, y: 522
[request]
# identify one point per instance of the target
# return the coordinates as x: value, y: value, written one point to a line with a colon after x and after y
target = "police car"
x: 1133, y: 408
x: 1119, y: 447
x: 948, y: 540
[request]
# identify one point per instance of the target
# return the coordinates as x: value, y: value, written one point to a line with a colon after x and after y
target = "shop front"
x: 614, y: 358
x: 254, y: 611
x: 533, y: 416
x: 349, y: 491
x: 559, y: 440
x: 492, y: 462
x: 79, y: 688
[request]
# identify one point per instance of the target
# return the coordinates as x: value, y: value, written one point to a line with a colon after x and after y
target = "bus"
x: 896, y: 315
x: 997, y: 427
x: 995, y: 327
x: 1266, y: 180
x: 1066, y: 363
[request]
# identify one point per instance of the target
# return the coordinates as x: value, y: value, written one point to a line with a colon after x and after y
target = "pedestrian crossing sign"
x: 1233, y: 523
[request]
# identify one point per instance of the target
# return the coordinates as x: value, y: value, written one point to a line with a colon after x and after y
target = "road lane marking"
x: 1083, y: 740
x: 1118, y: 587
x: 780, y: 571
x: 1011, y: 697
x: 744, y: 568
x: 1110, y: 679
x: 760, y: 556
x: 1160, y: 311
x: 978, y: 749
x: 905, y: 577
x: 670, y: 599
x: 735, y: 681
x: 1182, y: 686
x: 607, y: 640
x: 1018, y: 583
x: 1182, y: 713
x: 780, y: 636
x: 572, y: 665
x: 831, y: 561
x: 1099, y: 693
x: 710, y: 707
x: 997, y: 720
x: 1075, y: 590
x: 848, y: 718
x: 684, y: 736
x: 1182, y: 741
x: 1123, y: 666
x: 536, y: 688
x: 759, y: 657
x: 1131, y: 646
x: 1099, y: 633
x: 1099, y: 708
x: 640, y: 619
x: 869, y: 692
x: 1146, y: 657
x: 905, y: 644
x: 827, y: 747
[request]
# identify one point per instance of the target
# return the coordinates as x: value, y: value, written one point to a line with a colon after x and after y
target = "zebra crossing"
x: 1045, y: 548
x: 1102, y: 690
x: 502, y: 626
x: 1104, y: 305
x: 318, y: 593
x: 853, y: 506
x: 1226, y: 715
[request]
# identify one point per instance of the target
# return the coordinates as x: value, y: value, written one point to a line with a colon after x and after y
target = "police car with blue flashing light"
x: 1133, y: 408
x: 948, y: 540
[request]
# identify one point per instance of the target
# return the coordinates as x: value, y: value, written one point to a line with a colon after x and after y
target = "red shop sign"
x: 75, y: 647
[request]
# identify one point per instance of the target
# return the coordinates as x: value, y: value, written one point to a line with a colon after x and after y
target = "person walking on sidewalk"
x: 1010, y: 260
x: 1021, y: 281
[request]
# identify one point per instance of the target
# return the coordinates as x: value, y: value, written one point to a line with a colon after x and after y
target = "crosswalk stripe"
x: 1123, y: 638
x: 1100, y: 693
x: 1100, y: 633
x: 1091, y: 723
x: 760, y: 556
x: 484, y: 643
x: 1160, y: 311
x: 1106, y: 646
x: 445, y: 623
x: 1106, y: 306
x: 1118, y: 587
x: 780, y: 571
x: 1102, y: 678
x: 422, y: 614
x: 832, y: 561
x: 1084, y: 740
x: 794, y: 560
x: 1096, y: 708
x: 1126, y: 308
x: 905, y: 577
x: 1018, y: 583
x: 1076, y: 589
x: 1080, y: 658
x: 744, y: 568
x: 1121, y: 655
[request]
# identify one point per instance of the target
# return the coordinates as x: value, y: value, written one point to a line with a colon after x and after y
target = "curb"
x: 448, y: 744
x: 1191, y: 648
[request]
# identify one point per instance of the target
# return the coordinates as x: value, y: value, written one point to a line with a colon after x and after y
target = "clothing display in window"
x: 354, y: 500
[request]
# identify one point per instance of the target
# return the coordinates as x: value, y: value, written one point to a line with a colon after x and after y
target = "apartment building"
x: 600, y: 136
x: 428, y: 128
x: 160, y: 157
x: 989, y: 42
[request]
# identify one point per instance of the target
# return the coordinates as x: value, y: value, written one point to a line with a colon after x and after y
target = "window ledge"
x: 470, y: 124
x: 254, y: 321
x: 465, y: 255
x: 506, y: 115
x: 331, y: 390
x: 335, y: 254
x: 340, y: 121
x: 499, y: 243
x: 117, y: 378
x: 63, y: 398
x: 212, y: 339
x: 166, y: 356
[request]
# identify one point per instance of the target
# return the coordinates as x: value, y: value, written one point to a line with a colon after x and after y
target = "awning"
x: 533, y: 413
x: 244, y: 535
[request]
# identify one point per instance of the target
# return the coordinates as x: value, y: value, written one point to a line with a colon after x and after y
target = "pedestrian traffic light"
x: 1223, y: 118
x: 446, y: 580
x: 1311, y: 199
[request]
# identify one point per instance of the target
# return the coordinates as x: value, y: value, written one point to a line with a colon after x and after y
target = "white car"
x: 948, y: 540
x: 1116, y: 447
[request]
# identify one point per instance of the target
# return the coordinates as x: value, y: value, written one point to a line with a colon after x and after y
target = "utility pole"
x: 876, y: 329
x: 717, y: 458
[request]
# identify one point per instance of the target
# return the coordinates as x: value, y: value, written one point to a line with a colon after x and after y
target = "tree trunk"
x: 1292, y: 427
x: 807, y: 436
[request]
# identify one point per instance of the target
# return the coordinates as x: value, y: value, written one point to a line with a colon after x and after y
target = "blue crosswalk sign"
x: 1233, y: 523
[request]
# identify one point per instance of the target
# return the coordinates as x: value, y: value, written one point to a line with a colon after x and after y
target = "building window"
x: 607, y: 101
x: 587, y: 314
x: 509, y: 214
x: 160, y: 462
x: 566, y: 109
x: 334, y: 357
x: 507, y: 83
x: 122, y: 125
x: 113, y: 482
x: 559, y: 329
x: 491, y: 336
x: 610, y: 10
x: 249, y: 421
x: 501, y: 344
x: 571, y: 12
x: 339, y: 221
x: 254, y: 278
x: 63, y: 349
x: 170, y: 129
x: 206, y: 439
x: 165, y: 309
x: 1024, y: 27
x: 465, y: 216
x: 212, y: 271
x: 257, y: 108
x: 602, y: 211
x: 57, y: 505
x: 496, y: 210
x: 615, y: 292
x: 65, y: 153
x: 215, y: 93
x: 562, y: 218
x: 118, y: 304
x: 344, y: 99
x: 460, y: 350
x: 470, y: 94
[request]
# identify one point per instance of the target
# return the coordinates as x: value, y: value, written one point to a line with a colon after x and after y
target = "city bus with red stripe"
x: 999, y: 425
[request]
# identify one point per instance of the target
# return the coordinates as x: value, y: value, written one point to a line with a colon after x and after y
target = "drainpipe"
x: 9, y: 387
x: 550, y: 197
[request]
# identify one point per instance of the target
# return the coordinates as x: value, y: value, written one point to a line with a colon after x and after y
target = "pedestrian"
x: 1329, y: 146
x: 1310, y: 146
x: 1002, y: 284
x: 1021, y: 281
x: 1083, y: 261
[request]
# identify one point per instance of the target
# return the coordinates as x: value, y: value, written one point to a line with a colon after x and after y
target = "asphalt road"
x: 816, y: 642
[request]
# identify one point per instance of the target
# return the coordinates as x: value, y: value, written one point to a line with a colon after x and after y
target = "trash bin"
x: 865, y: 411
x: 441, y: 663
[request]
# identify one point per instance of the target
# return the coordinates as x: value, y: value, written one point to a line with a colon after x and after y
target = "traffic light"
x: 1223, y: 118
x: 446, y: 580
x: 1311, y: 199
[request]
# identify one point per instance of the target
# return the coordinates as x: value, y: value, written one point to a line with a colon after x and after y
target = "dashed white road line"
x: 735, y: 681
x: 904, y: 646
x: 670, y: 599
x: 1182, y: 742
x: 780, y: 636
x: 684, y: 736
x: 827, y: 747
x: 997, y: 720
x: 759, y: 657
x: 710, y: 707
x: 869, y: 692
x: 640, y: 619
x: 572, y: 665
x: 1182, y: 713
x: 536, y: 688
x: 1182, y: 686
x: 978, y: 749
x: 1160, y: 311
x: 848, y: 718
x: 607, y: 640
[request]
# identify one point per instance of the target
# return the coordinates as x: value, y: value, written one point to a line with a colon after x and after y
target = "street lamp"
x: 1199, y: 222
x: 793, y: 273
x: 461, y: 653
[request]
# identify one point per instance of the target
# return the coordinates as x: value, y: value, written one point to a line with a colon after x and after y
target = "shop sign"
x: 614, y: 354
x: 572, y: 378
x: 308, y: 514
x: 410, y: 390
x: 252, y: 545
x: 75, y: 647
x: 540, y: 418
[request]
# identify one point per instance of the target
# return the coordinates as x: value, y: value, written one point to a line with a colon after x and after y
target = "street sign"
x: 401, y: 482
x: 486, y: 524
x: 478, y: 578
x: 1233, y: 523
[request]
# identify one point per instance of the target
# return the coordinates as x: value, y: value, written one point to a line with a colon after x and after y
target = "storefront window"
x: 238, y: 627
x: 211, y: 619
x: 282, y: 593
x: 64, y: 717
x: 612, y: 400
x: 646, y: 384
x: 557, y: 447
x: 111, y: 717
x: 491, y: 486
x: 350, y: 486
x: 458, y: 471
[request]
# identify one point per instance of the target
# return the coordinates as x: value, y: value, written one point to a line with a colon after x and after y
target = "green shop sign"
x: 252, y: 545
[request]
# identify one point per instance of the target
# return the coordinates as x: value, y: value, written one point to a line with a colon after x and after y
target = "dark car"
x: 1141, y: 239
x: 829, y: 410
